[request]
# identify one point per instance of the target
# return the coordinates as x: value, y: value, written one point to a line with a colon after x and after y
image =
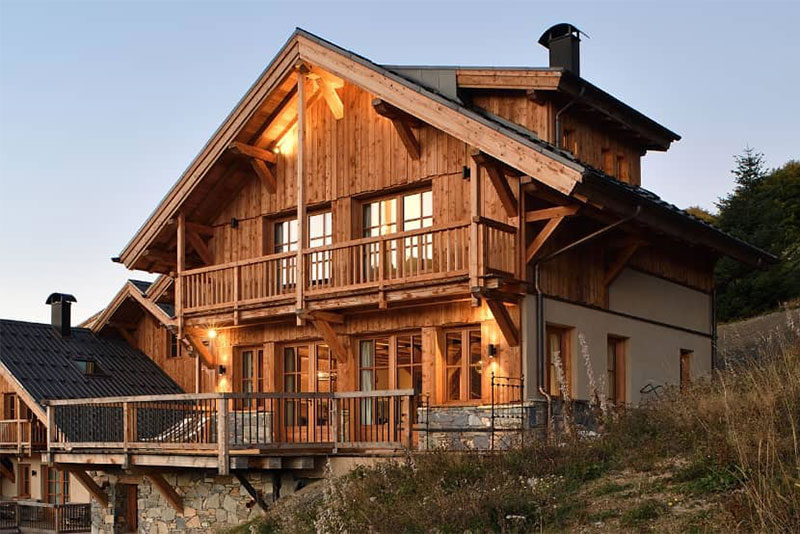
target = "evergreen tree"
x: 763, y: 210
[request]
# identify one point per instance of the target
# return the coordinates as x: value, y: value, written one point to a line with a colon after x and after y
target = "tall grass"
x: 734, y: 439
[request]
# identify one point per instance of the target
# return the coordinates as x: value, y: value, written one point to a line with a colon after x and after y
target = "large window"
x: 557, y: 361
x: 374, y: 364
x: 409, y: 362
x: 615, y: 370
x: 326, y: 369
x: 56, y: 486
x: 463, y: 365
x: 295, y: 380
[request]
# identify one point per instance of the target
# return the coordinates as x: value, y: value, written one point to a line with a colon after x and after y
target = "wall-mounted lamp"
x: 222, y: 370
x: 33, y: 472
x: 492, y: 350
x: 212, y: 333
x: 234, y: 222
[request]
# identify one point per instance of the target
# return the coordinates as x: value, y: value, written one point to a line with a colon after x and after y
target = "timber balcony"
x: 370, y: 271
x: 22, y: 435
x: 228, y: 430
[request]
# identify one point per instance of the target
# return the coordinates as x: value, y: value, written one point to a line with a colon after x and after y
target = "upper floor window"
x: 285, y: 236
x: 320, y: 229
x: 173, y: 347
x: 397, y: 214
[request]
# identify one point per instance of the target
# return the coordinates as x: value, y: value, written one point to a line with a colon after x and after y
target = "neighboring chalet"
x: 362, y: 252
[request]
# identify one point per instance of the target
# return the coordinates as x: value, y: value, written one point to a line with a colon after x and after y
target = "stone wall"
x: 211, y: 502
x: 481, y: 428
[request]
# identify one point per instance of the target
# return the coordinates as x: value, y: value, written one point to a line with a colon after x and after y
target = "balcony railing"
x: 223, y: 422
x: 30, y: 516
x: 421, y: 255
x: 22, y: 434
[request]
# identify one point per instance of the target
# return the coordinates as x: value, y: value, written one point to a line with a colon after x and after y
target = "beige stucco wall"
x: 8, y: 489
x: 652, y: 350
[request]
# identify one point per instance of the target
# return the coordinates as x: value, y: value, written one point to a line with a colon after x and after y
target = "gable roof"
x: 37, y: 359
x: 527, y: 153
x: 135, y: 290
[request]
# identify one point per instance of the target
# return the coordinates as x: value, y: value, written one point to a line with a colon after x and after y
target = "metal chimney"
x: 60, y: 317
x: 564, y: 42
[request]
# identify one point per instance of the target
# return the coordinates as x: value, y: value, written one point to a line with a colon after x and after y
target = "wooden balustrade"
x: 22, y: 433
x: 418, y: 255
x: 221, y: 422
x: 498, y: 243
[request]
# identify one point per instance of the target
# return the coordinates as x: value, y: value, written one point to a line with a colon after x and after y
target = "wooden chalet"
x: 358, y: 240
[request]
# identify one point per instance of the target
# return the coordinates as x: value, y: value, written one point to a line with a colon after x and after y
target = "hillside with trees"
x: 763, y: 209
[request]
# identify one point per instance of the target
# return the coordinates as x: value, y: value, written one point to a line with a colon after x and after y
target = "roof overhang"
x: 130, y: 292
x: 608, y: 109
x: 667, y: 219
x: 522, y: 152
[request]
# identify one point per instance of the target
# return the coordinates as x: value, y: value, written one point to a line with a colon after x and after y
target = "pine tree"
x: 750, y: 168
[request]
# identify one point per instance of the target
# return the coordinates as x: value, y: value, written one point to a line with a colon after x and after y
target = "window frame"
x: 565, y: 336
x: 257, y: 380
x: 464, y: 366
x: 24, y: 481
x: 617, y: 375
x: 61, y: 482
x: 400, y: 219
x: 173, y: 345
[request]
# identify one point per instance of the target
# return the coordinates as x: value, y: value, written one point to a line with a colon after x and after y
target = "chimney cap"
x: 559, y: 30
x: 60, y: 297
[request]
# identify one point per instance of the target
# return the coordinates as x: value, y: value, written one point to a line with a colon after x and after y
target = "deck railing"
x: 498, y: 244
x: 223, y: 422
x: 31, y: 516
x: 374, y: 262
x: 22, y: 434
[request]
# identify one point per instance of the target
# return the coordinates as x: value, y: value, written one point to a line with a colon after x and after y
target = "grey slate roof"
x: 43, y: 363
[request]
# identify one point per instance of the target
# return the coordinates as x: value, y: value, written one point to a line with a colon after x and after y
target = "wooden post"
x: 51, y: 432
x: 222, y: 436
x: 301, y: 191
x: 474, y: 214
x: 126, y: 417
x: 19, y: 424
x: 408, y: 406
x: 181, y: 266
x: 237, y: 282
x: 335, y: 422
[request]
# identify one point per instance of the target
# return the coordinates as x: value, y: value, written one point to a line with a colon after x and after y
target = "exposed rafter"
x: 320, y: 320
x: 549, y: 213
x: 265, y: 174
x: 200, y: 349
x: 330, y: 95
x: 497, y: 176
x: 251, y: 151
x: 402, y: 122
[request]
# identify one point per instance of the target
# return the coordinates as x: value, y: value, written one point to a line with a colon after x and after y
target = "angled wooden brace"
x: 621, y: 261
x: 166, y: 490
x: 542, y: 237
x: 497, y: 176
x: 402, y: 122
x: 321, y: 321
x: 197, y: 346
x: 259, y: 158
x: 200, y: 247
x: 91, y: 486
x: 549, y: 213
x: 504, y: 321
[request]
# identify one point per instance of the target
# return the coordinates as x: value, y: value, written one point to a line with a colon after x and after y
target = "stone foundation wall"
x: 211, y: 502
x: 471, y: 428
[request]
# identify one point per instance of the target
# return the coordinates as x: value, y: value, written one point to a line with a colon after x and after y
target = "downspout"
x: 562, y: 110
x: 540, y: 323
x: 714, y: 363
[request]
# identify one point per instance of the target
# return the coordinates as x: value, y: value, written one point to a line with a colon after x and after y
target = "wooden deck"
x: 22, y: 436
x: 227, y: 430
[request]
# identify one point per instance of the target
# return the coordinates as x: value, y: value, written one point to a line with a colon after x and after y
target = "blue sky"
x: 103, y: 104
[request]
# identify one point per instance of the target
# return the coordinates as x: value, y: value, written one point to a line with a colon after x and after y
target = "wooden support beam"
x: 265, y: 174
x: 251, y: 151
x: 498, y: 178
x: 166, y: 490
x: 330, y: 317
x: 88, y: 483
x: 331, y: 98
x: 300, y: 269
x: 253, y: 492
x: 7, y: 473
x: 202, y: 229
x: 202, y: 351
x: 549, y: 213
x: 200, y: 247
x: 159, y: 256
x: 504, y: 322
x: 329, y: 336
x: 402, y: 122
x: 542, y: 237
x: 621, y: 261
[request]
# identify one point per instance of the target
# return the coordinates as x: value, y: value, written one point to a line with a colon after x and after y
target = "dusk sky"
x: 103, y: 105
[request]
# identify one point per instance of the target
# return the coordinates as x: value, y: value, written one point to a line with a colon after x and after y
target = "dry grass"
x: 724, y: 455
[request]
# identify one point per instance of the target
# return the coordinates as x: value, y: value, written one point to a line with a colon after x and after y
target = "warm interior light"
x: 212, y: 333
x: 287, y: 143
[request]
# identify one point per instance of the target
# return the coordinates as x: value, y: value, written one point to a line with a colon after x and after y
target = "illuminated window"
x: 295, y: 380
x: 326, y: 369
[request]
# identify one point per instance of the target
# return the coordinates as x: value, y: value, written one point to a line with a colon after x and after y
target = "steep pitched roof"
x: 135, y: 290
x: 524, y: 152
x: 36, y: 358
